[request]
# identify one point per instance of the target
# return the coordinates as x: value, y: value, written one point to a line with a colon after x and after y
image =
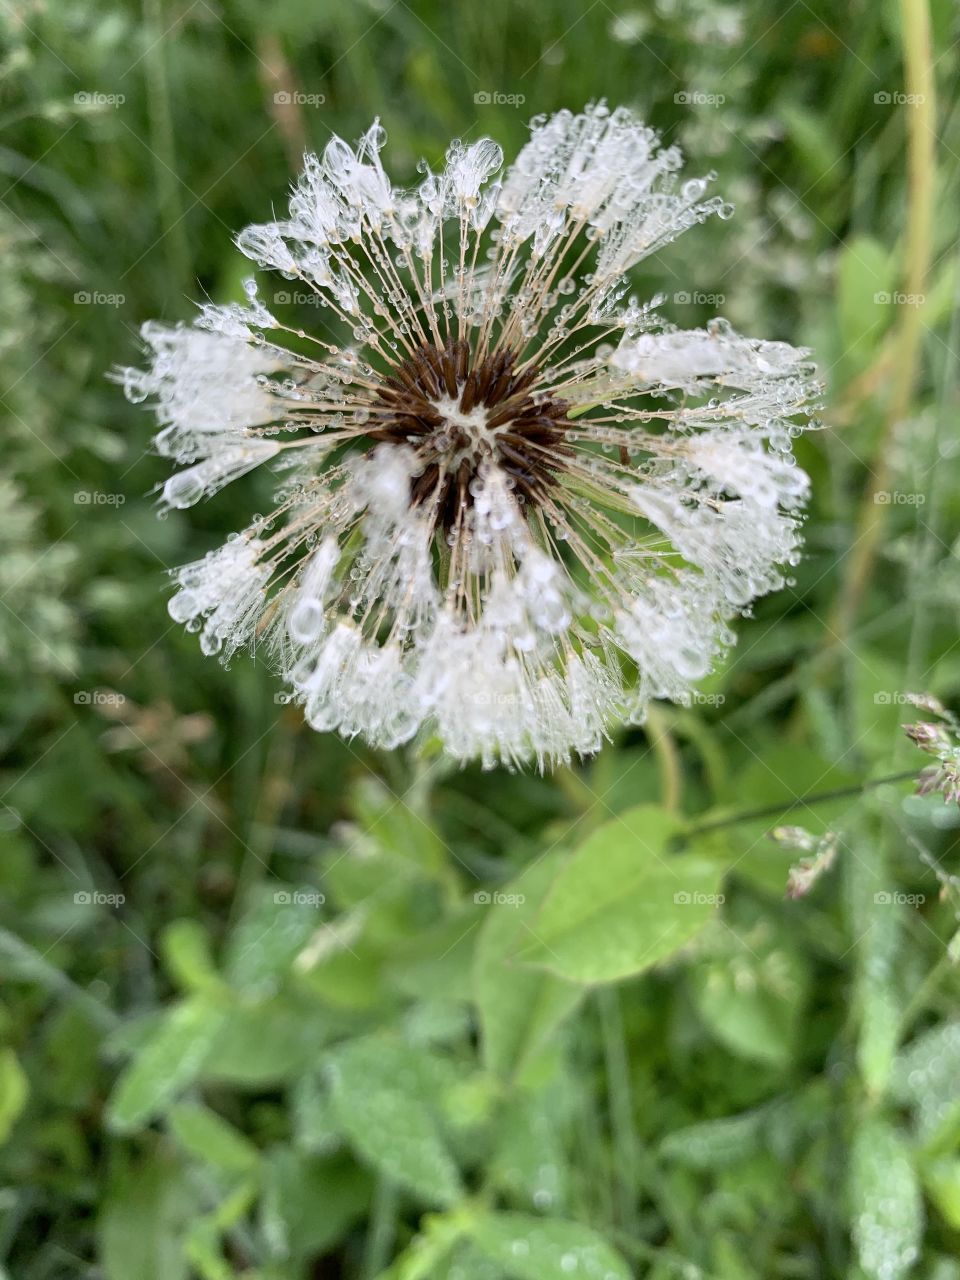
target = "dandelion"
x: 514, y: 503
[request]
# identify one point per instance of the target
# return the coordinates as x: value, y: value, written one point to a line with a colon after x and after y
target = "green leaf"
x: 171, y: 1059
x: 186, y: 953
x: 864, y: 281
x: 886, y: 1208
x: 271, y: 1041
x: 530, y: 1248
x: 941, y: 1178
x: 876, y: 921
x: 753, y: 1000
x: 142, y: 1222
x: 926, y: 1074
x: 14, y: 1089
x: 715, y: 1144
x: 397, y: 824
x: 208, y: 1137
x: 622, y: 903
x: 529, y: 1161
x: 519, y: 1008
x: 273, y: 931
x: 315, y: 1128
x: 384, y: 1099
x: 308, y: 1204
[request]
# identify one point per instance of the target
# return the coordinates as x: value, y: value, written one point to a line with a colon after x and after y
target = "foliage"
x: 274, y: 1006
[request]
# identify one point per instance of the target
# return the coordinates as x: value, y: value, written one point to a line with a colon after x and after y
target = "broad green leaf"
x: 622, y: 902
x: 171, y: 1059
x: 530, y: 1248
x: 384, y: 1098
x: 519, y: 1008
x: 886, y: 1208
x: 941, y: 1178
x: 143, y: 1220
x: 186, y: 953
x: 753, y: 1001
x: 529, y: 1161
x: 208, y: 1137
x: 271, y: 1041
x: 14, y: 1089
x: 315, y: 1128
x: 715, y: 1144
x: 926, y: 1074
x: 436, y: 963
x: 309, y: 1204
x: 273, y: 931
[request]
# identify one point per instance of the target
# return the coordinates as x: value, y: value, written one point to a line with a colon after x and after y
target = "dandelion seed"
x: 516, y: 504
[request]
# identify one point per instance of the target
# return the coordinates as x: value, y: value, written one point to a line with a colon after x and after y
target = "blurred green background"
x: 271, y: 1006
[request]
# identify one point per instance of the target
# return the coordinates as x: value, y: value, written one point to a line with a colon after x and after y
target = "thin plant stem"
x: 920, y: 114
x: 820, y: 797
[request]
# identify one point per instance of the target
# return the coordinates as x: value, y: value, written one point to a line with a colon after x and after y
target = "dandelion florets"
x: 514, y: 503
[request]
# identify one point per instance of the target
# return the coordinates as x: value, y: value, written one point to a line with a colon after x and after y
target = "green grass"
x: 221, y: 1076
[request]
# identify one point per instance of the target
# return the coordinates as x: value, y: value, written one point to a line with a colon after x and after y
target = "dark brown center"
x: 456, y: 417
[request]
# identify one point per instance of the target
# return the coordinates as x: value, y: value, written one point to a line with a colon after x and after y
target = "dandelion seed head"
x: 515, y: 503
